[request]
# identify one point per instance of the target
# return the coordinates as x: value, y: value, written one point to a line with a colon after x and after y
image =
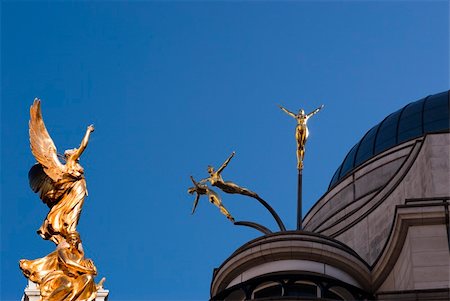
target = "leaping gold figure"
x: 301, y: 131
x: 215, y: 178
x: 214, y: 198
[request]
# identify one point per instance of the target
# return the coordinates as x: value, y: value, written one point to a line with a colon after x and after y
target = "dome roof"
x: 427, y: 115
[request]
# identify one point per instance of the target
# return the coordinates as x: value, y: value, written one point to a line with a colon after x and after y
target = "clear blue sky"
x: 172, y: 87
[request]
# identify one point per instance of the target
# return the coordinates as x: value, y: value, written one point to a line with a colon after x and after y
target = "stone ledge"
x: 31, y: 293
x: 258, y: 255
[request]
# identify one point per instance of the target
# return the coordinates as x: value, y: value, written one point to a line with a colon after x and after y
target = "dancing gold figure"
x: 301, y: 132
x: 214, y: 198
x: 215, y: 178
x: 61, y: 186
x: 64, y: 274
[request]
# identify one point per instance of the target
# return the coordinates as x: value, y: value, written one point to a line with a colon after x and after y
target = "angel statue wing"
x: 42, y: 146
x: 42, y: 184
x: 49, y: 169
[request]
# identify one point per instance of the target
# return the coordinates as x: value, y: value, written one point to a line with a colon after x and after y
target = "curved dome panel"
x: 427, y: 115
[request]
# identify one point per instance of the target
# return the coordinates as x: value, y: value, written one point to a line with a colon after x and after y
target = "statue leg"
x: 300, y: 156
x: 301, y: 135
x: 234, y: 188
x: 226, y: 213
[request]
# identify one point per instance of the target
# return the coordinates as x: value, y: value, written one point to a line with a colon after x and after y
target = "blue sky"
x: 173, y: 87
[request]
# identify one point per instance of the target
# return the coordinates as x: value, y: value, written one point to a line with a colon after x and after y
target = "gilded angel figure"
x: 61, y: 186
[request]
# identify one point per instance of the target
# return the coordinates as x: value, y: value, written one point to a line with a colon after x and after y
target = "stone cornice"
x: 291, y: 245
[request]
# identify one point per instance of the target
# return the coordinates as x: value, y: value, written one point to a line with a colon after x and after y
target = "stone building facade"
x: 380, y: 232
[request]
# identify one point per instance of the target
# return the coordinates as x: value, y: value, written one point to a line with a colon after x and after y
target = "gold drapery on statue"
x: 63, y: 274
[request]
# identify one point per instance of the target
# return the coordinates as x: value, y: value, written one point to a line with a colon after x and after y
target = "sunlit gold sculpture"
x: 63, y: 274
x: 301, y: 132
x: 61, y: 186
x: 214, y: 198
x: 215, y: 178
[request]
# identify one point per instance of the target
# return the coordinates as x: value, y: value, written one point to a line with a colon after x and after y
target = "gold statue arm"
x: 193, y: 181
x: 315, y: 111
x: 288, y: 112
x: 197, y: 194
x: 92, y: 266
x: 225, y: 163
x: 74, y: 265
x: 84, y: 143
x: 202, y: 181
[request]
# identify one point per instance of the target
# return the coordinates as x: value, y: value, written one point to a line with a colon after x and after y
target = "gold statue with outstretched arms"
x: 202, y: 189
x: 61, y: 186
x: 215, y: 178
x: 301, y: 131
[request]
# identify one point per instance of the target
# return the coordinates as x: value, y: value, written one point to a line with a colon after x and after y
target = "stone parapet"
x: 31, y: 293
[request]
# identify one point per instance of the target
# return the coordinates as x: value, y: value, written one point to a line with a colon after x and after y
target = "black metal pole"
x: 274, y: 214
x: 256, y: 226
x: 299, y: 201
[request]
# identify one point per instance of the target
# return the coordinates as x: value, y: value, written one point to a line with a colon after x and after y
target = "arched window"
x: 303, y: 289
x: 237, y: 295
x: 338, y: 293
x: 268, y: 289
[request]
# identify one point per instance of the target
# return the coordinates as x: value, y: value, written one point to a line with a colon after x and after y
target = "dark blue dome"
x: 427, y: 115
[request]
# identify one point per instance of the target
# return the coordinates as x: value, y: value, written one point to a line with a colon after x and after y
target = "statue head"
x: 73, y: 239
x: 68, y: 153
x: 210, y: 169
x: 301, y: 112
x: 191, y: 190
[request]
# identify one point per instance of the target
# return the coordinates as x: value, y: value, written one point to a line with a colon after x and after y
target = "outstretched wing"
x: 42, y: 184
x: 42, y: 145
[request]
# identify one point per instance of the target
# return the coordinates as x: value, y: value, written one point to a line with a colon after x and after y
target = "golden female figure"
x: 215, y: 178
x: 61, y: 186
x: 301, y: 132
x: 64, y: 274
x: 214, y: 198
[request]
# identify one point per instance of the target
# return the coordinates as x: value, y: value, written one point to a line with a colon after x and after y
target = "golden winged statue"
x: 61, y: 186
x: 301, y: 131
